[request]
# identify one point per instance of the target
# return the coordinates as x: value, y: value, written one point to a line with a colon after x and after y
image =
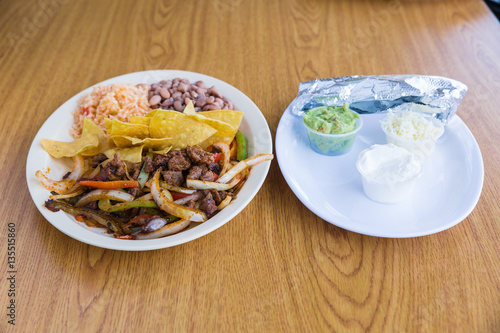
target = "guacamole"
x: 331, y: 119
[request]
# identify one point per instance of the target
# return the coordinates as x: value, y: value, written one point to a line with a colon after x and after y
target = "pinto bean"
x: 182, y: 87
x: 201, y: 101
x: 177, y: 92
x: 164, y: 93
x: 213, y: 91
x: 155, y: 100
x: 178, y: 106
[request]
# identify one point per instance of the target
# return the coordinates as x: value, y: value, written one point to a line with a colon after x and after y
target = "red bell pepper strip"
x: 124, y: 237
x: 109, y: 185
x: 217, y: 157
x: 177, y: 195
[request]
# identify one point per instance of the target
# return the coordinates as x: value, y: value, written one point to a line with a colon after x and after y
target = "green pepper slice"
x: 241, y: 147
x: 105, y: 205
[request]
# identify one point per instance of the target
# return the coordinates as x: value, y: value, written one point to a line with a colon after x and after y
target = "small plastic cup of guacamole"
x: 332, y: 130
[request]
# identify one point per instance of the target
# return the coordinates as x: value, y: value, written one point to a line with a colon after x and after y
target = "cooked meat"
x: 114, y: 170
x: 173, y: 177
x: 135, y: 191
x: 196, y: 171
x: 200, y: 156
x: 218, y: 196
x: 147, y: 163
x: 215, y: 167
x: 190, y: 204
x: 161, y: 161
x: 178, y: 160
x: 139, y: 220
x: 208, y: 176
x: 118, y: 165
x: 208, y: 203
x: 92, y: 205
x: 135, y: 171
x: 98, y: 159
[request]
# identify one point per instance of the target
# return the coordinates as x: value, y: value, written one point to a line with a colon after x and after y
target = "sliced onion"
x: 166, y: 230
x: 154, y: 224
x: 226, y: 155
x: 104, y: 194
x: 164, y: 200
x: 203, y: 185
x: 78, y: 189
x: 177, y: 189
x: 194, y: 196
x: 62, y: 186
x: 243, y: 165
x: 145, y: 197
x: 224, y: 203
x: 68, y: 194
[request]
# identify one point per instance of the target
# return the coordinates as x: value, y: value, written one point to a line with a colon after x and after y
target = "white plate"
x: 254, y: 126
x: 330, y: 186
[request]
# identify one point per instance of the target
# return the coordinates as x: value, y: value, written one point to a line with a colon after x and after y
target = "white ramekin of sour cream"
x: 389, y: 172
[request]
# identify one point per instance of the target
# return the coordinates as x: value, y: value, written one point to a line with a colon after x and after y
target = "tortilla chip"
x: 89, y: 128
x: 132, y: 154
x: 88, y: 141
x: 108, y: 123
x: 161, y: 151
x: 215, y: 138
x: 226, y: 122
x: 189, y: 109
x: 184, y: 130
x: 151, y: 114
x: 228, y: 116
x: 140, y: 120
x: 123, y: 141
x: 126, y: 129
x: 223, y: 129
x: 58, y: 149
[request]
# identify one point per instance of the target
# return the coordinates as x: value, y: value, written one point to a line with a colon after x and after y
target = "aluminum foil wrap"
x: 433, y: 95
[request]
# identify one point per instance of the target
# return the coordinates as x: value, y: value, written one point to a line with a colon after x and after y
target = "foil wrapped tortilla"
x: 433, y: 95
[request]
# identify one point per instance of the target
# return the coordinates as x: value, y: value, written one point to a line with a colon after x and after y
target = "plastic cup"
x: 382, y: 190
x: 422, y: 148
x: 332, y: 144
x: 388, y: 193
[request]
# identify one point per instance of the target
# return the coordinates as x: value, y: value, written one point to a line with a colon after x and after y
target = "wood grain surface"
x: 275, y: 267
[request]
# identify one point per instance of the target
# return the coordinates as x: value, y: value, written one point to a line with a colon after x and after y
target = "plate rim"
x: 78, y: 232
x: 478, y: 186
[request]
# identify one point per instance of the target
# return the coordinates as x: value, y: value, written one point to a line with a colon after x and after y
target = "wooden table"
x: 275, y: 267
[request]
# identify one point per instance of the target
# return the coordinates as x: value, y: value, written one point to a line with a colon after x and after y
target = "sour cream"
x: 389, y: 172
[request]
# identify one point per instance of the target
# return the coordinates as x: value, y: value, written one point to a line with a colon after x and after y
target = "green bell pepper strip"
x: 105, y: 205
x: 241, y: 147
x: 143, y: 175
x: 102, y: 218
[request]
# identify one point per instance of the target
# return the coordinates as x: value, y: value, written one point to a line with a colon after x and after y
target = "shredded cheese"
x: 410, y: 125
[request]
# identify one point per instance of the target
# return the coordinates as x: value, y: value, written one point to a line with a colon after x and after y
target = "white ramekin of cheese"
x: 389, y: 172
x: 414, y: 131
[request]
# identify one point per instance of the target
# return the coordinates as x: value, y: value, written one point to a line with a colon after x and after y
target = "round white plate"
x: 254, y: 126
x: 330, y: 186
